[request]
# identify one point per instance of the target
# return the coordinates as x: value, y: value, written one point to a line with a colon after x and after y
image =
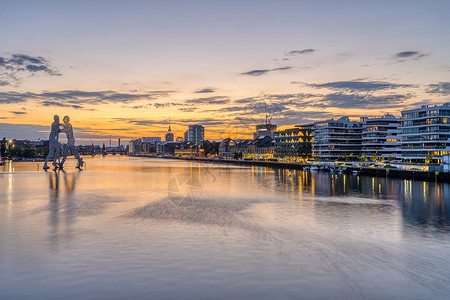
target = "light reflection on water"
x: 140, y: 228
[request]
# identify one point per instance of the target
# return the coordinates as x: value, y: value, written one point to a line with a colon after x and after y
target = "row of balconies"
x: 425, y: 140
x: 425, y: 130
x: 425, y: 122
x: 437, y: 147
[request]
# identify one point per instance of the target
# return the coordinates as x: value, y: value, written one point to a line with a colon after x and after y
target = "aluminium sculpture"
x: 55, y: 147
x: 70, y: 146
x: 53, y: 143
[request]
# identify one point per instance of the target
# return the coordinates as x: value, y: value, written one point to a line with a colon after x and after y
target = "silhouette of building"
x: 195, y: 134
x: 169, y: 134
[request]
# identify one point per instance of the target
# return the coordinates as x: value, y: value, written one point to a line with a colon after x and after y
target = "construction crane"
x: 269, y: 116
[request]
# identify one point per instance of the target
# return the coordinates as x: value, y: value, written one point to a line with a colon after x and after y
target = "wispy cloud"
x: 181, y: 122
x: 408, y: 55
x: 206, y: 90
x: 167, y: 104
x: 59, y: 104
x: 209, y: 100
x: 18, y: 112
x: 291, y: 107
x: 360, y: 86
x: 365, y: 101
x: 300, y: 52
x: 264, y: 71
x: 12, y: 97
x: 23, y: 131
x: 14, y: 68
x: 77, y: 99
x: 441, y: 88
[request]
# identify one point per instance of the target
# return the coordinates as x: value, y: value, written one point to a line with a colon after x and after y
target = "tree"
x: 206, y: 146
x: 16, y: 151
x: 3, y: 148
x: 210, y: 147
x: 28, y: 152
x: 215, y: 148
x: 237, y: 155
x: 43, y: 151
x: 429, y: 158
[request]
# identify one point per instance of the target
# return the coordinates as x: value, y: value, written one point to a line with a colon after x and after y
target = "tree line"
x: 8, y: 149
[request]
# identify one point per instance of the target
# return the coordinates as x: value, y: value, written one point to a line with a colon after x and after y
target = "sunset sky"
x: 120, y: 68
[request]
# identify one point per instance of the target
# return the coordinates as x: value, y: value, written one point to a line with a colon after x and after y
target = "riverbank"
x: 369, y: 171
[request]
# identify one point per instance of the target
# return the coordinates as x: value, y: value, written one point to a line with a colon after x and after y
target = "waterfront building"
x: 169, y: 136
x: 264, y: 130
x: 187, y: 149
x: 239, y: 148
x: 135, y: 146
x: 159, y: 147
x: 226, y: 148
x: 195, y: 134
x: 339, y: 139
x: 294, y: 144
x: 144, y: 145
x: 169, y: 148
x: 425, y: 133
x: 152, y: 139
x: 446, y: 162
x: 261, y: 148
x: 381, y: 137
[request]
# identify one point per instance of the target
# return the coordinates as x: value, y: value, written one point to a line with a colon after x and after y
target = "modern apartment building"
x: 381, y: 137
x: 337, y: 139
x: 294, y: 144
x: 425, y: 133
x: 195, y: 134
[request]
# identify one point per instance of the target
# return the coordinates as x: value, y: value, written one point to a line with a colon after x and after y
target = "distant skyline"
x: 120, y: 68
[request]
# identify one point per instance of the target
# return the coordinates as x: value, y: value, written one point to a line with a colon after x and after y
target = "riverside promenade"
x: 369, y: 171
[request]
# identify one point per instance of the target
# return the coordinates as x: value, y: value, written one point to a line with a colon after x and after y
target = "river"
x: 135, y: 228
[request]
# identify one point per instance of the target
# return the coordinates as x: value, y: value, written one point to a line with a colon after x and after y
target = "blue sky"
x: 120, y: 68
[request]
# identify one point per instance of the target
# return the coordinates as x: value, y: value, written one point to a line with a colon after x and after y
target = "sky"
x: 119, y: 69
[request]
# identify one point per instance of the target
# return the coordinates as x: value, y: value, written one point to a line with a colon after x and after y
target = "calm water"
x: 155, y: 228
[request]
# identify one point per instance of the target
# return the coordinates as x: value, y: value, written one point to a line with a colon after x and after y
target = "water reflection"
x: 422, y: 203
x: 112, y: 231
x: 61, y: 187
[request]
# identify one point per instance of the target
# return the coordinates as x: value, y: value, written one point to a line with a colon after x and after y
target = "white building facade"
x: 425, y: 133
x: 381, y: 137
x: 337, y: 139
